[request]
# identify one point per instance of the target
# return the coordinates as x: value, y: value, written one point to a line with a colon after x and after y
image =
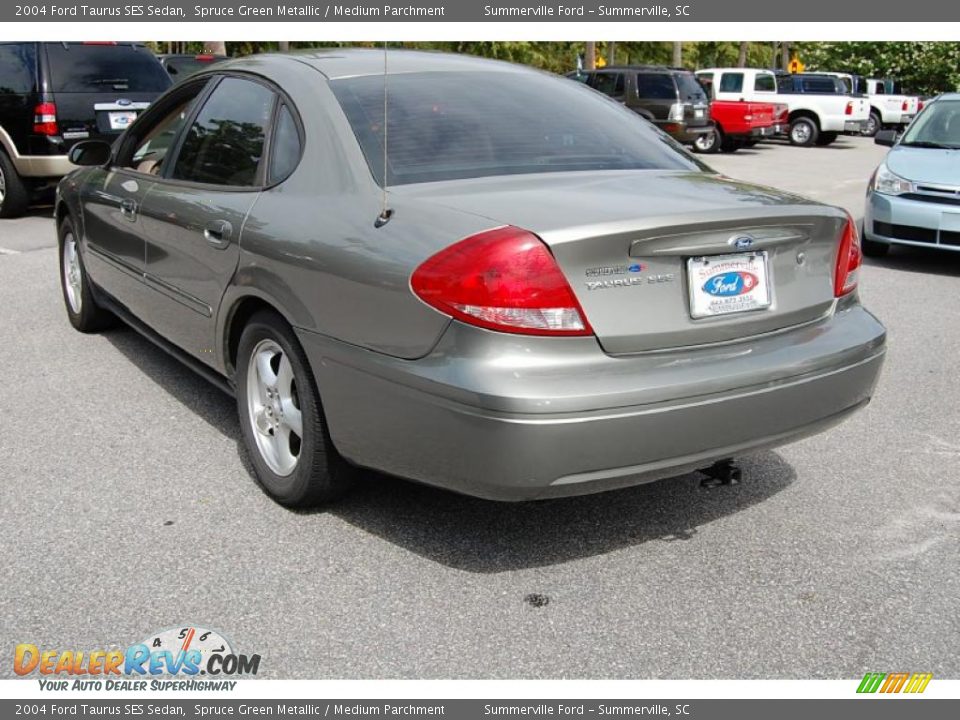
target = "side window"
x: 731, y: 82
x: 224, y: 144
x: 608, y: 83
x: 764, y: 83
x: 155, y: 141
x: 18, y: 68
x: 881, y: 90
x: 285, y: 153
x: 655, y: 86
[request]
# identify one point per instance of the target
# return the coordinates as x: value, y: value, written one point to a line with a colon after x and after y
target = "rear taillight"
x: 504, y: 279
x: 919, y: 105
x: 849, y: 110
x: 847, y: 272
x: 905, y: 106
x: 45, y: 119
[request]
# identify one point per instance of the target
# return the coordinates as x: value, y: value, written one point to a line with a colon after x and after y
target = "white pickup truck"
x: 820, y: 107
x: 888, y: 109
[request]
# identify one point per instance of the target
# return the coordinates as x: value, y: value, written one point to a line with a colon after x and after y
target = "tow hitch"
x: 722, y: 472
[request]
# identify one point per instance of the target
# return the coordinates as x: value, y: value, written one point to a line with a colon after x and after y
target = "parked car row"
x: 744, y: 105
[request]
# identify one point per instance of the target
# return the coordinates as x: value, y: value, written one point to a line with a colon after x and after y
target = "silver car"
x: 913, y: 198
x: 503, y: 284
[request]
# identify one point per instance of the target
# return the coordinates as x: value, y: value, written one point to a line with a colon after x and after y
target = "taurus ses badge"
x: 741, y: 242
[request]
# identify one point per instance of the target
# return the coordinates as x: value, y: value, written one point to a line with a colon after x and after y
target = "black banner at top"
x: 479, y: 11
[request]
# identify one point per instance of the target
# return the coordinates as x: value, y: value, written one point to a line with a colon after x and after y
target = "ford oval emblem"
x: 124, y: 102
x: 741, y: 242
x: 730, y: 284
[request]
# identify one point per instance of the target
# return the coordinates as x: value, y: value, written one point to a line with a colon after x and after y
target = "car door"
x: 112, y: 198
x: 193, y: 215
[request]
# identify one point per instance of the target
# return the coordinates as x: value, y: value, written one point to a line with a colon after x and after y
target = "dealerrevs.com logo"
x: 182, y: 658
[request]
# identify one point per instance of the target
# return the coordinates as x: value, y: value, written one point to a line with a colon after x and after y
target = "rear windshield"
x: 690, y: 89
x: 75, y: 67
x: 455, y: 125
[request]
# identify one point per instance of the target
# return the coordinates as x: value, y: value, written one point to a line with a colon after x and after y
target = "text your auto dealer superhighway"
x: 318, y: 11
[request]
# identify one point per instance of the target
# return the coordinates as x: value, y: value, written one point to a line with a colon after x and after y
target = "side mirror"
x: 90, y: 153
x: 886, y: 137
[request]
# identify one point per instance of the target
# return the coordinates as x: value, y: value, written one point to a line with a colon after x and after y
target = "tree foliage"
x: 923, y: 67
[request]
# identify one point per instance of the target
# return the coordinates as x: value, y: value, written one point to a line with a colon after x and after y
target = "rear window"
x: 455, y: 125
x: 731, y: 82
x: 765, y: 83
x: 823, y: 85
x: 689, y: 88
x: 18, y: 68
x: 75, y: 67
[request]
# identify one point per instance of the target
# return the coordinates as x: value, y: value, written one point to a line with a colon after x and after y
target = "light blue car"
x: 914, y: 196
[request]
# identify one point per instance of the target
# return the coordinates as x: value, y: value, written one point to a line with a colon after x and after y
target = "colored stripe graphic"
x: 894, y: 682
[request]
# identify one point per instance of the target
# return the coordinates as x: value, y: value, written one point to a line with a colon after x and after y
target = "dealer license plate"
x: 121, y: 120
x: 725, y: 284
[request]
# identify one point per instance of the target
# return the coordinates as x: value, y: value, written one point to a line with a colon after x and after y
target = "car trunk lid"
x: 626, y: 241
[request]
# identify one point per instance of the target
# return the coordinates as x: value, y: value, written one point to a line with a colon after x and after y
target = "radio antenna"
x: 385, y: 213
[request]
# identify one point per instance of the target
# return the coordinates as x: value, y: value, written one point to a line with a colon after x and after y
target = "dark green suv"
x: 670, y: 98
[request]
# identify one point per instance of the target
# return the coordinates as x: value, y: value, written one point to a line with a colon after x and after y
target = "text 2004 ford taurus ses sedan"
x: 551, y: 297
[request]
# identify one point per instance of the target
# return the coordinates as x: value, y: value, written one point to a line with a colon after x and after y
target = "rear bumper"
x: 854, y: 127
x: 686, y: 134
x: 522, y: 418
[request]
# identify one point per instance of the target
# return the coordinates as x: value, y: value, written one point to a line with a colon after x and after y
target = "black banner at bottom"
x: 874, y: 708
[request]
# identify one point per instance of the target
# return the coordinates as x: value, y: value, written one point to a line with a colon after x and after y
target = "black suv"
x: 53, y: 95
x: 671, y: 98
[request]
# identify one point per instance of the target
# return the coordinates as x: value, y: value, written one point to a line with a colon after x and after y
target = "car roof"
x: 358, y: 62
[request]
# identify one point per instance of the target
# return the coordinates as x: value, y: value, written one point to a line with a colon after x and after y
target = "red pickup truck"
x: 738, y: 124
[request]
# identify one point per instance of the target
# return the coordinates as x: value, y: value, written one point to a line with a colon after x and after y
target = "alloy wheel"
x: 274, y: 407
x: 800, y: 133
x: 3, y: 186
x: 72, y: 273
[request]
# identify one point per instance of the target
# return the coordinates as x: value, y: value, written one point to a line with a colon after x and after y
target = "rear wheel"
x: 874, y: 124
x: 826, y: 138
x: 282, y: 419
x: 803, y: 132
x: 14, y: 196
x: 82, y: 309
x: 708, y: 143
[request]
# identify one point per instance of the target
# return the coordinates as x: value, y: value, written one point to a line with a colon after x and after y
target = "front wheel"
x: 803, y: 132
x: 282, y: 420
x: 708, y: 143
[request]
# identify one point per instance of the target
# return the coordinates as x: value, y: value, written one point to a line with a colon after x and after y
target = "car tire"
x: 78, y: 295
x: 874, y: 124
x: 708, y: 143
x: 14, y: 196
x: 827, y: 138
x: 803, y: 132
x: 282, y: 419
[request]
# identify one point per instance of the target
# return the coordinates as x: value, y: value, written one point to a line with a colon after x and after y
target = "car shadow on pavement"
x: 482, y: 536
x: 919, y: 260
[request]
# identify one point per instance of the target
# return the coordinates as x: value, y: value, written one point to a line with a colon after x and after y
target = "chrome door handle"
x: 128, y: 208
x: 218, y: 233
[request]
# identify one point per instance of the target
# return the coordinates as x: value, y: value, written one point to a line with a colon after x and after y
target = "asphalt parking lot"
x: 127, y: 508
